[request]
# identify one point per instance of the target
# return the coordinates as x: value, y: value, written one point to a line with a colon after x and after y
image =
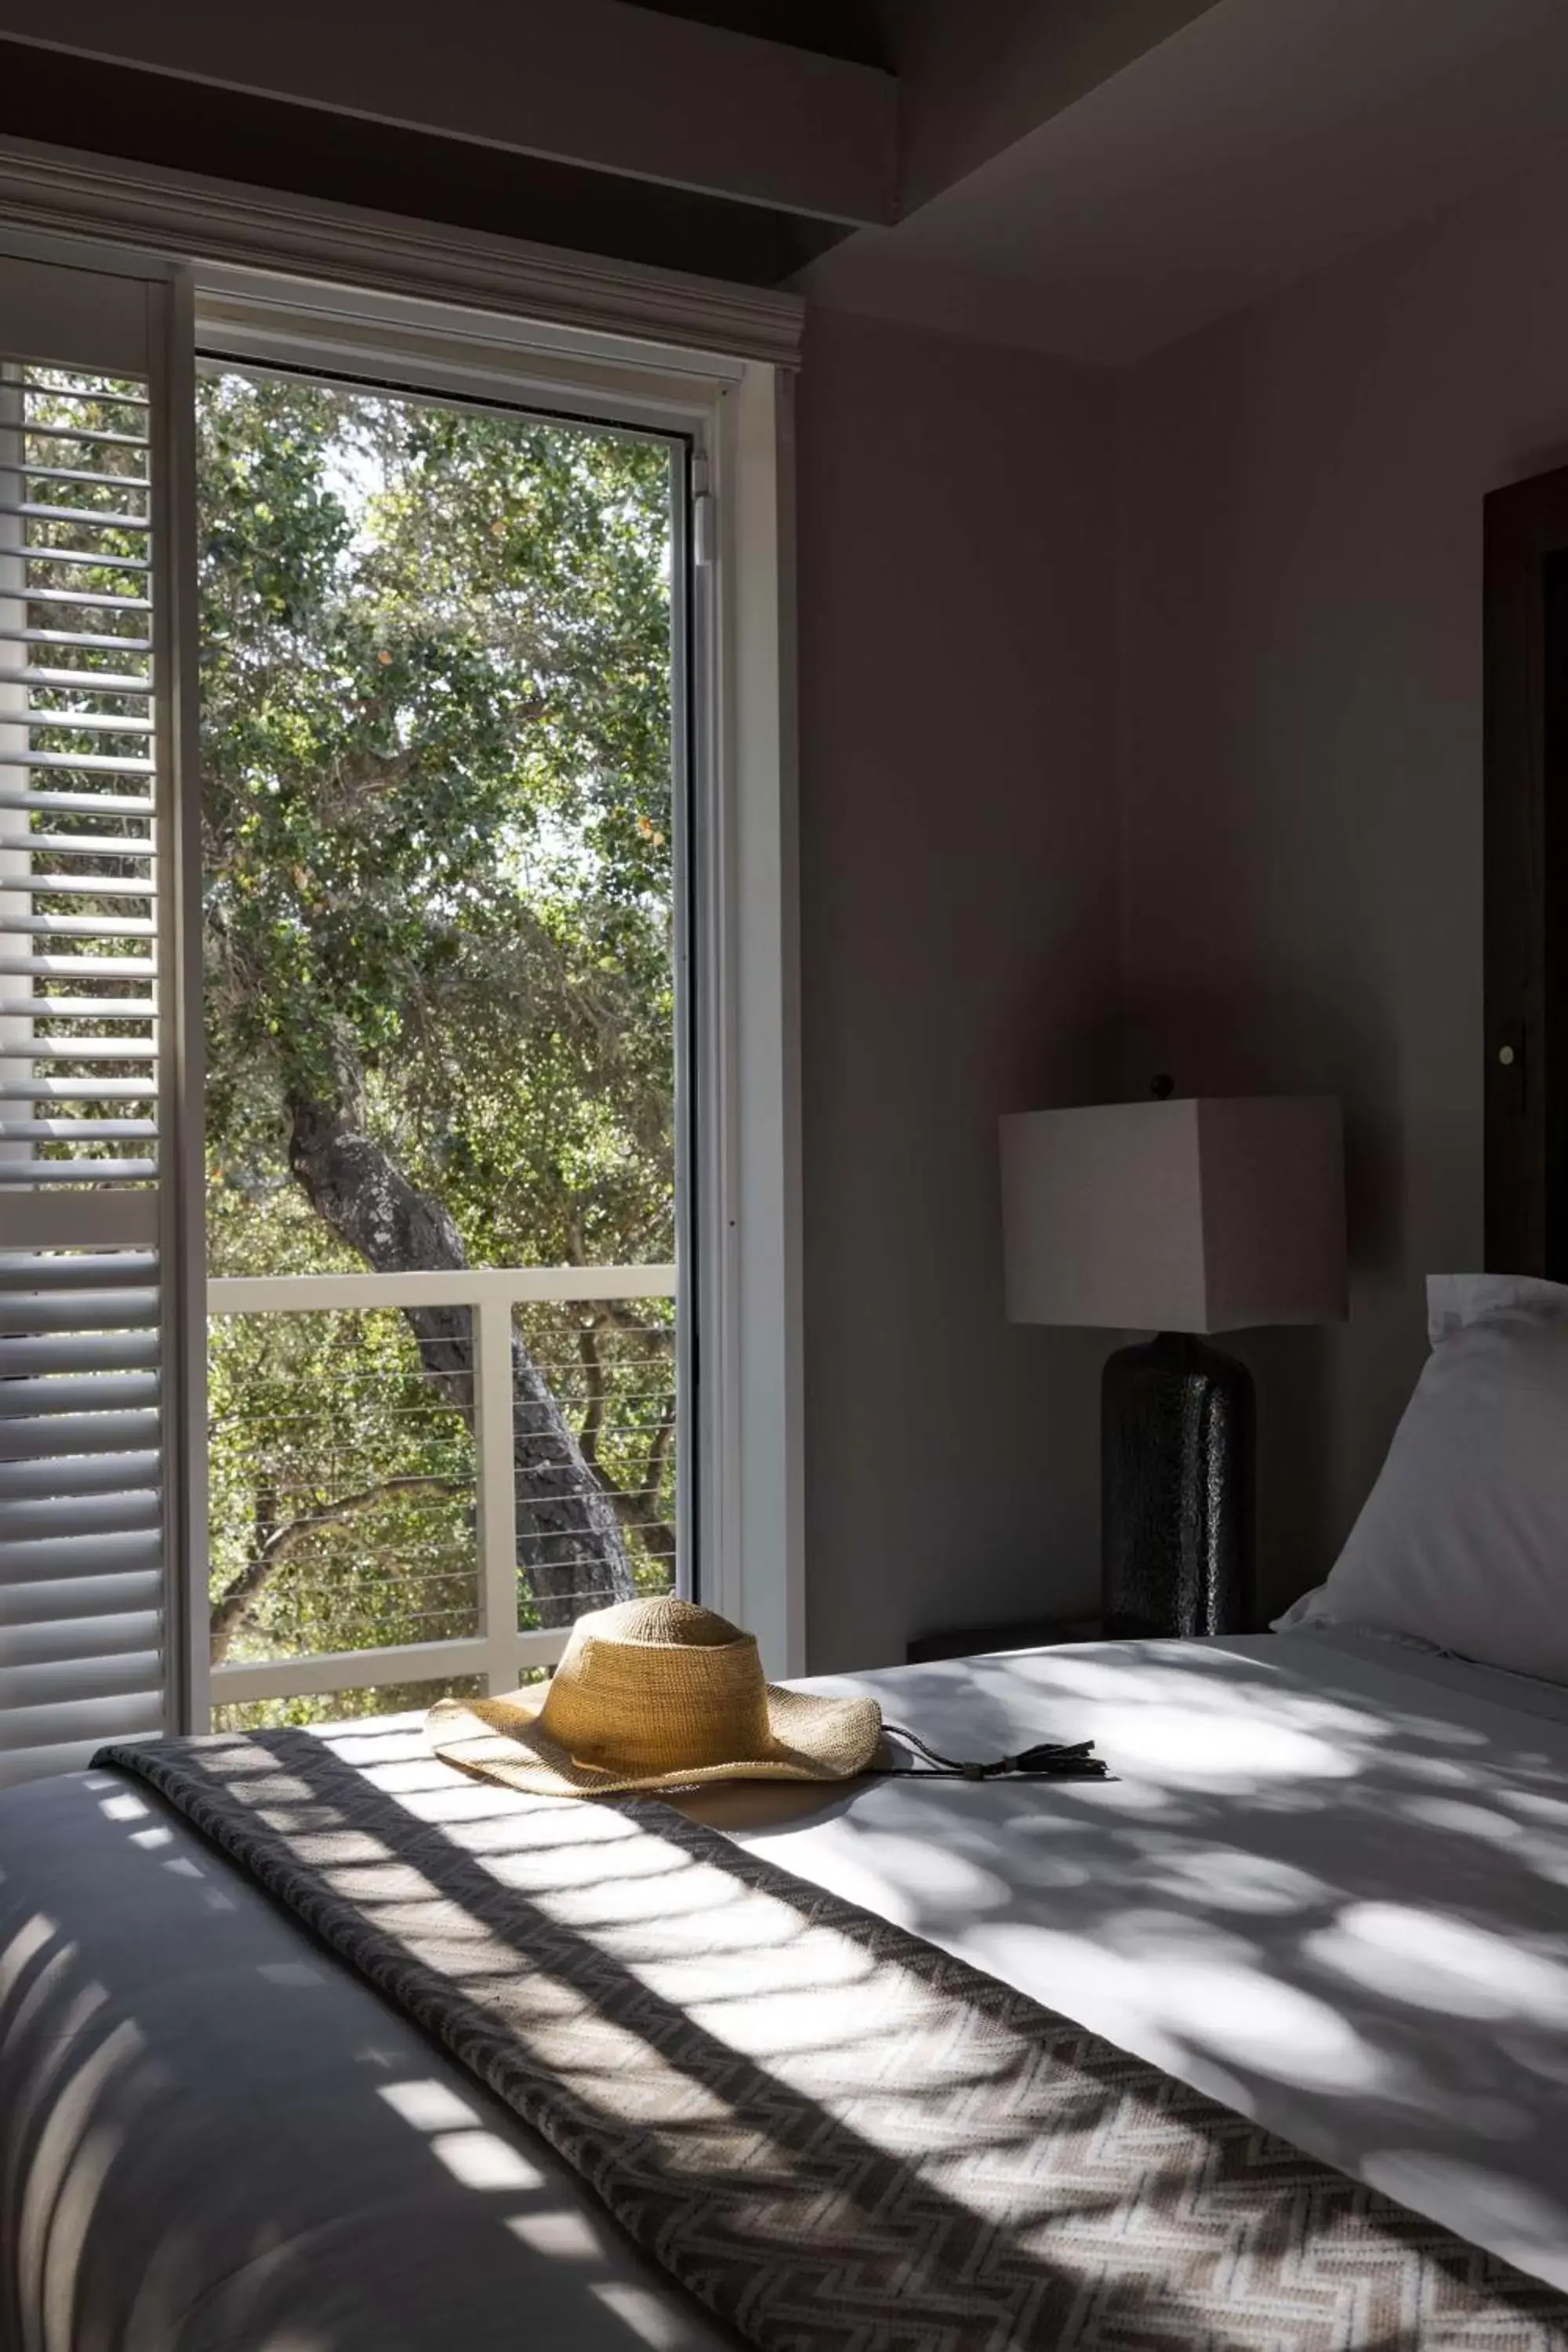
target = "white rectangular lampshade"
x: 1201, y: 1215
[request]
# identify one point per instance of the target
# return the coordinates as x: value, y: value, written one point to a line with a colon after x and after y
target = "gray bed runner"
x: 834, y: 2136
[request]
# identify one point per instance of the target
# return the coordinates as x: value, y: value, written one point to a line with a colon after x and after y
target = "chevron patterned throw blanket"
x: 837, y: 2139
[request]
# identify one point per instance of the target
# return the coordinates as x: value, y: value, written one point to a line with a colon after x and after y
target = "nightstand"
x: 1023, y: 1634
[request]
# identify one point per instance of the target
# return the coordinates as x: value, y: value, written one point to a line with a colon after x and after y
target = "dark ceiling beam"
x: 116, y: 110
x: 975, y: 79
x: 595, y: 83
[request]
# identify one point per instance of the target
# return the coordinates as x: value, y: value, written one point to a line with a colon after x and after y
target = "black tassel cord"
x: 1059, y: 1761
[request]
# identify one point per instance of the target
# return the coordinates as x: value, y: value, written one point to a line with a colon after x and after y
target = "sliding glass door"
x: 344, y: 1175
x: 439, y: 785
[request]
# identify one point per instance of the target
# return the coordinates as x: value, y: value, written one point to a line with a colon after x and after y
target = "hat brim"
x: 813, y: 1738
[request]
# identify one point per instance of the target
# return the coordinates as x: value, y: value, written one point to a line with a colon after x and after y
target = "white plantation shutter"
x: 90, y: 1258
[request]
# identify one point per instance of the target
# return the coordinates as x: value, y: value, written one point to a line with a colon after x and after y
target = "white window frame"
x: 612, y: 344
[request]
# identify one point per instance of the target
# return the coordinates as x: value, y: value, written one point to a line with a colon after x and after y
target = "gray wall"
x: 1300, y: 760
x: 958, y: 959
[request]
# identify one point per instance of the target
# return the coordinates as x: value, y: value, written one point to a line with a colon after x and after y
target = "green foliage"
x: 437, y: 835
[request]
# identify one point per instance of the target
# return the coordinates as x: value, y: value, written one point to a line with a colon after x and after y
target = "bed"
x: 1326, y: 1886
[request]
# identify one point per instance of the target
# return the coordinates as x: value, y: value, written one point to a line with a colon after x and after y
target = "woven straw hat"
x: 655, y: 1694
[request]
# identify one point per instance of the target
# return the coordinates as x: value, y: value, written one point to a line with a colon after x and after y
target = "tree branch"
x: 229, y: 1612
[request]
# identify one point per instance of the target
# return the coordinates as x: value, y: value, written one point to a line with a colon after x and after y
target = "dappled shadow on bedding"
x: 1307, y: 1895
x: 742, y: 2064
x: 212, y: 2139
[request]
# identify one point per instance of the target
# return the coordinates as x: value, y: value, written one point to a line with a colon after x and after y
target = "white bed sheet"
x: 1329, y: 1885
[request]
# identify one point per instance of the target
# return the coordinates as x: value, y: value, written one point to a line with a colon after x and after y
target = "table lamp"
x: 1183, y: 1217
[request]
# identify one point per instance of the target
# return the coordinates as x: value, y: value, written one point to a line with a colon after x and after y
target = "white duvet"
x: 1328, y: 1884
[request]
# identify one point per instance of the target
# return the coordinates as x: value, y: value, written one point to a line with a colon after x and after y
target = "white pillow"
x: 1463, y: 1541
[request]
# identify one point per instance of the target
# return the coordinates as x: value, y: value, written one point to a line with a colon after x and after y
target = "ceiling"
x: 1250, y: 146
x: 1093, y: 178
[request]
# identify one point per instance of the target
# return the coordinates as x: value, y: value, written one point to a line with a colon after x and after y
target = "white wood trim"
x: 496, y: 1500
x: 60, y: 193
x: 473, y: 1286
x: 752, y: 1560
x: 363, y: 1669
x: 183, y: 1150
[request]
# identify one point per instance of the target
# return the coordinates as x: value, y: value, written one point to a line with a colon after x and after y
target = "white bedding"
x: 1329, y: 1885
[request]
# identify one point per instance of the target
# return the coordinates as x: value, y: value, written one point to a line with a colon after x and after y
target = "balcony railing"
x: 371, y: 1436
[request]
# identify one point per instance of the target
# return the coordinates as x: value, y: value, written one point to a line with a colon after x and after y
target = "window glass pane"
x: 439, y: 903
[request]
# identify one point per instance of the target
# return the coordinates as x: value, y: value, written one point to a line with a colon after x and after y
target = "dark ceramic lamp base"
x: 1176, y: 1453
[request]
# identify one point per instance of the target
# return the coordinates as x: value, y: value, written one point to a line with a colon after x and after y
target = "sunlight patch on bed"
x: 1468, y: 1820
x: 1227, y: 1880
x: 1253, y: 2020
x: 1437, y: 1962
x: 653, y: 2321
x: 26, y: 1943
x: 1185, y: 1748
x: 564, y: 2235
x: 428, y: 2106
x: 482, y: 2159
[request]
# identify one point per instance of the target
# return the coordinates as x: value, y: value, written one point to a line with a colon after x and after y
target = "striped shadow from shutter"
x: 86, y: 1316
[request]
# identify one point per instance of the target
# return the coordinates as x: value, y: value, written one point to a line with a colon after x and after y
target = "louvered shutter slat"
x: 79, y: 432
x: 41, y: 1439
x: 86, y: 681
x: 78, y: 1351
x: 34, y: 1609
x: 26, y: 1691
x: 123, y: 1633
x: 96, y: 1172
x: 77, y: 722
x: 61, y: 1736
x: 17, y: 796
x: 75, y: 1008
x: 43, y: 1560
x: 64, y: 1395
x: 66, y: 967
x: 81, y: 1310
x: 78, y: 474
x: 88, y: 762
x: 89, y: 598
x: 34, y: 1273
x: 109, y: 518
x: 114, y: 1469
x: 77, y: 1130
x: 72, y: 640
x: 89, y: 1515
x: 74, y: 1090
x: 91, y: 1049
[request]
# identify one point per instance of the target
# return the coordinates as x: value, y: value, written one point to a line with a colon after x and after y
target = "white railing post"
x: 495, y: 1486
